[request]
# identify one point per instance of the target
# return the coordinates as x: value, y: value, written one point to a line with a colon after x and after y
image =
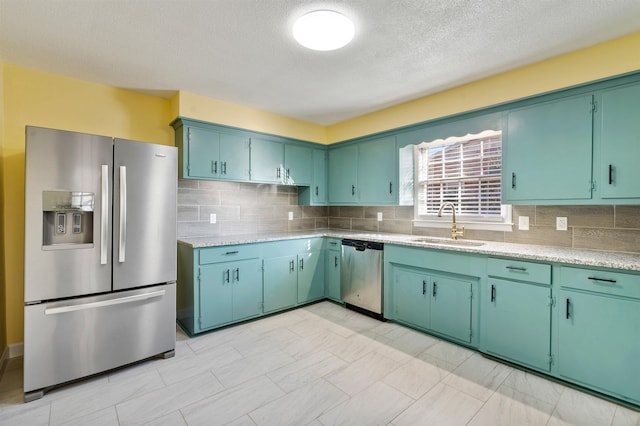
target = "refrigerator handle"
x: 123, y: 214
x: 104, y: 215
x: 102, y: 303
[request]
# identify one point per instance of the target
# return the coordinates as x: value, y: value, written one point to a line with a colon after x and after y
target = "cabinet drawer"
x: 279, y: 248
x: 228, y: 253
x: 518, y: 270
x: 615, y: 283
x: 332, y: 243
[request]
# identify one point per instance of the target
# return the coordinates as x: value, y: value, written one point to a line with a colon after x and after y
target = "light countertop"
x: 581, y: 257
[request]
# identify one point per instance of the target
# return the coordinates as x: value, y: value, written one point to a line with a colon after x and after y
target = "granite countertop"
x: 582, y: 257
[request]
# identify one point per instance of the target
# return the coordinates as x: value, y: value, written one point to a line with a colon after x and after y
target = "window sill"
x: 484, y: 226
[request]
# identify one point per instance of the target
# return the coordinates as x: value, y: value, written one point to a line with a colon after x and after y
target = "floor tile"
x: 415, y: 378
x: 536, y: 386
x: 442, y: 405
x: 232, y: 404
x: 509, y: 407
x: 354, y: 378
x: 306, y: 370
x: 105, y: 417
x: 300, y: 407
x: 168, y: 399
x: 478, y: 376
x: 354, y: 347
x: 171, y: 419
x: 244, y: 369
x: 626, y: 417
x: 448, y: 352
x: 376, y: 405
x: 25, y: 414
x: 579, y: 408
x: 181, y: 369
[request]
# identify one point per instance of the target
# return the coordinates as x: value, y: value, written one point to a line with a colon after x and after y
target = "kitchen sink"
x: 446, y: 242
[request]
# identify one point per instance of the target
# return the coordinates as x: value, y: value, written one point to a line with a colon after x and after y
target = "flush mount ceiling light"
x: 323, y: 30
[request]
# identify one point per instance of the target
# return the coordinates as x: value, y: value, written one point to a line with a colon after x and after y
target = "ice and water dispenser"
x: 67, y: 219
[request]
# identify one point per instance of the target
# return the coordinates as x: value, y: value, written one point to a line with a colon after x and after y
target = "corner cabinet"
x: 547, y: 151
x: 518, y: 312
x: 316, y: 194
x: 206, y: 153
x: 333, y: 257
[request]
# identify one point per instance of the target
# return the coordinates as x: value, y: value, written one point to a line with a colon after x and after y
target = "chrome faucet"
x: 454, y: 229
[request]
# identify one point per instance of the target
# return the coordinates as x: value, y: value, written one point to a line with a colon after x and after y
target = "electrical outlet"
x: 290, y: 215
x: 523, y: 223
x: 379, y: 216
x: 561, y: 223
x: 212, y: 218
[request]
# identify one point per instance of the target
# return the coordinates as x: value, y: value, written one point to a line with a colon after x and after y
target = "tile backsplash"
x: 244, y: 208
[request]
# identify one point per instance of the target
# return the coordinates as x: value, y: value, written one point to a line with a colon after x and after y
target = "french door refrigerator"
x: 100, y: 255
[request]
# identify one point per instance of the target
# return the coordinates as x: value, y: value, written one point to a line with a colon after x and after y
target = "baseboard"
x: 16, y: 350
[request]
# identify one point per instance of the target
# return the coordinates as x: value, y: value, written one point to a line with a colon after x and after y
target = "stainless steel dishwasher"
x: 361, y: 276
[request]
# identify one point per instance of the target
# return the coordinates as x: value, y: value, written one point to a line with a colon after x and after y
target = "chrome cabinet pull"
x: 424, y: 287
x: 302, y: 263
x: 353, y: 190
x: 291, y: 266
x: 516, y: 268
x: 335, y: 261
x: 104, y: 214
x: 214, y: 167
x: 513, y: 180
x: 316, y: 190
x: 224, y: 168
x: 225, y: 276
x: 237, y: 274
x: 232, y: 252
x: 123, y: 214
x: 434, y: 292
x: 390, y: 188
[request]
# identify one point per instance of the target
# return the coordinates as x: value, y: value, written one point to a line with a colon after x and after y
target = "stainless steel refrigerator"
x: 100, y: 255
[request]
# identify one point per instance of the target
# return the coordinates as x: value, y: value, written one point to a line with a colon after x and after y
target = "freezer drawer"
x: 67, y: 340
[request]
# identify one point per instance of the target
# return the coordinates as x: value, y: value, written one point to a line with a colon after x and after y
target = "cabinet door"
x: 310, y: 276
x: 297, y: 161
x: 599, y: 342
x: 343, y: 174
x: 620, y: 142
x: 216, y: 293
x: 280, y: 283
x: 411, y: 296
x: 451, y: 307
x: 319, y: 187
x: 203, y: 148
x: 332, y: 274
x: 246, y: 278
x: 547, y: 151
x: 234, y: 157
x: 518, y: 322
x: 377, y: 171
x: 267, y: 161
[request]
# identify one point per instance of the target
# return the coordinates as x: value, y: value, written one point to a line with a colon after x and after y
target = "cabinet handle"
x: 232, y: 252
x: 610, y: 174
x: 335, y: 261
x: 493, y: 292
x: 214, y: 167
x: 424, y: 287
x: 278, y: 173
x: 316, y: 190
x: 606, y: 280
x: 302, y: 263
x: 353, y: 190
x: 224, y: 168
x: 226, y: 280
x: 237, y: 274
x: 288, y: 174
x: 513, y: 180
x: 390, y: 187
x: 516, y: 268
x: 333, y: 243
x: 567, y: 308
x: 435, y: 285
x: 292, y: 266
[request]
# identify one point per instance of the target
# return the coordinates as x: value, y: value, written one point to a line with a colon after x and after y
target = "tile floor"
x: 319, y: 365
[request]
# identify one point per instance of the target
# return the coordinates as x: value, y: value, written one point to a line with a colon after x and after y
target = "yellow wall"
x: 607, y: 59
x: 221, y: 112
x: 42, y: 99
x: 3, y: 316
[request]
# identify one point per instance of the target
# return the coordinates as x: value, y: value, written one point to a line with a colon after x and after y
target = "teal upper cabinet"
x: 297, y: 163
x: 343, y: 174
x: 267, y: 161
x: 378, y: 171
x: 547, y: 152
x: 366, y: 173
x: 317, y: 193
x: 210, y: 154
x: 618, y: 138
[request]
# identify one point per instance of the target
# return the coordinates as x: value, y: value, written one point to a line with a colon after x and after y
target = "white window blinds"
x: 463, y: 170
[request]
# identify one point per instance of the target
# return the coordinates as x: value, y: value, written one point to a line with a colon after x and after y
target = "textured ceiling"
x: 242, y: 51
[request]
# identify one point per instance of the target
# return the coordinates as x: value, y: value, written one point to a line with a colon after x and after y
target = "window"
x: 466, y: 171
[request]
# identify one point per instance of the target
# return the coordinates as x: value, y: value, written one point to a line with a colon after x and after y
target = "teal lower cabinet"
x: 332, y: 258
x: 599, y: 331
x: 439, y: 301
x: 518, y: 322
x: 280, y: 283
x: 310, y: 276
x: 518, y: 312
